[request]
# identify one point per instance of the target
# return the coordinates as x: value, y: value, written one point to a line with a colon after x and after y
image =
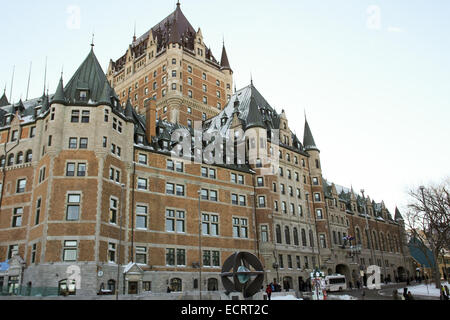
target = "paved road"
x: 384, y: 294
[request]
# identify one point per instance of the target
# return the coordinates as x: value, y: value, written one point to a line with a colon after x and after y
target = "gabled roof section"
x: 398, y: 215
x: 89, y: 77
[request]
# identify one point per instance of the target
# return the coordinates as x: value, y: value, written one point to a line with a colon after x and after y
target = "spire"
x: 398, y: 215
x: 174, y: 34
x: 308, y: 139
x: 92, y: 42
x: 224, y: 63
x: 105, y: 97
x: 59, y: 96
x: 254, y: 118
x: 129, y: 110
x: 3, y: 100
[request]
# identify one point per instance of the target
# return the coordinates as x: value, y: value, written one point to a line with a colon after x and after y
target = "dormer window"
x: 84, y: 95
x: 140, y: 139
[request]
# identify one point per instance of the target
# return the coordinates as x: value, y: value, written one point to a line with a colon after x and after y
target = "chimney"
x: 150, y: 118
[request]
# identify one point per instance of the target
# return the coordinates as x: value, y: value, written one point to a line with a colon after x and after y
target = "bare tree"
x: 429, y: 220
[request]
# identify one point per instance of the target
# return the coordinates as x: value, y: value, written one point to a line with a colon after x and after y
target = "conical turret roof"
x: 224, y: 63
x: 308, y: 139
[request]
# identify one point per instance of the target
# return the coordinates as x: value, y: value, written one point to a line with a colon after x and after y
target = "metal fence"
x: 25, y: 291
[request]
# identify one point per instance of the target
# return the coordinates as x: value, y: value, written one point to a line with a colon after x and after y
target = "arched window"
x: 19, y: 159
x: 213, y: 284
x: 389, y: 242
x: 287, y: 235
x: 396, y: 244
x: 367, y: 239
x: 176, y: 285
x: 112, y: 285
x: 382, y: 242
x: 311, y: 238
x: 375, y: 240
x: 358, y: 236
x: 2, y: 161
x: 296, y: 242
x: 10, y: 160
x: 29, y: 156
x: 278, y: 233
x: 304, y: 238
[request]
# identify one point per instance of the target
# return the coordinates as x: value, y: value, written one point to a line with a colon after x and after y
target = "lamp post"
x: 120, y: 241
x: 311, y: 231
x: 369, y: 238
x: 200, y: 260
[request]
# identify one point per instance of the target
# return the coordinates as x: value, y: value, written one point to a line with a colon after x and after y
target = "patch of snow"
x: 421, y: 290
x: 341, y: 297
x: 288, y: 297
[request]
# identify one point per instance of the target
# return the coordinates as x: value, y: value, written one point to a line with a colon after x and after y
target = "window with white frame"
x: 141, y: 217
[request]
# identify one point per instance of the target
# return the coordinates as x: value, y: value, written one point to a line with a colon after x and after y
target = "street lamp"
x: 369, y: 238
x: 200, y: 260
x: 120, y: 241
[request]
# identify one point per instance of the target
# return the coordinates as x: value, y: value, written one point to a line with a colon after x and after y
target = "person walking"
x: 446, y: 292
x: 269, y: 291
x: 410, y: 296
x: 395, y: 295
x: 405, y: 293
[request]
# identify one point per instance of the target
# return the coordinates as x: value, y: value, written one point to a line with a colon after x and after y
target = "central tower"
x: 172, y: 64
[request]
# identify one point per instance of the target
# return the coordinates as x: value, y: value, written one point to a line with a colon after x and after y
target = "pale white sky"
x: 373, y: 76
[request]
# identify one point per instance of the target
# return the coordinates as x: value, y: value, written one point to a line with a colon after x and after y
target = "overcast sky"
x: 373, y: 76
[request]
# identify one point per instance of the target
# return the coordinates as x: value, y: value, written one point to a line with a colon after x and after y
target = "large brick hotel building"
x: 89, y: 184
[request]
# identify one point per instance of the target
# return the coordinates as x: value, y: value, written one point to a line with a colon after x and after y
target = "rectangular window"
x: 75, y: 116
x: 242, y: 201
x: 319, y: 213
x: 212, y: 173
x: 73, y: 143
x: 170, y: 188
x: 170, y: 165
x: 38, y: 211
x: 240, y: 228
x: 17, y: 217
x: 180, y: 190
x: 213, y: 195
x: 113, y: 209
x: 21, y: 185
x: 234, y: 199
x: 141, y: 217
x: 142, y: 158
x: 141, y: 255
x: 179, y: 167
x: 170, y: 257
x: 112, y: 252
x: 142, y: 184
x: 33, y: 254
x: 70, y: 251
x: 260, y: 182
x: 81, y: 171
x: 181, y: 257
x: 264, y: 233
x: 85, y: 116
x: 204, y: 172
x: 233, y: 178
x: 210, y: 224
x: 73, y: 207
x: 83, y: 143
x: 70, y: 169
x: 262, y: 202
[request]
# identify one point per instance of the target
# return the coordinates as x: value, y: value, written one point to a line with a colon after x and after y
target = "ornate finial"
x: 178, y: 3
x: 134, y: 34
x: 92, y: 42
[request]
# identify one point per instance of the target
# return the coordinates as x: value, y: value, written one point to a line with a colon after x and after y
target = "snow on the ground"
x: 288, y: 297
x: 421, y: 290
x: 341, y: 297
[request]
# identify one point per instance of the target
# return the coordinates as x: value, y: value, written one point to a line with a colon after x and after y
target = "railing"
x: 25, y: 291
